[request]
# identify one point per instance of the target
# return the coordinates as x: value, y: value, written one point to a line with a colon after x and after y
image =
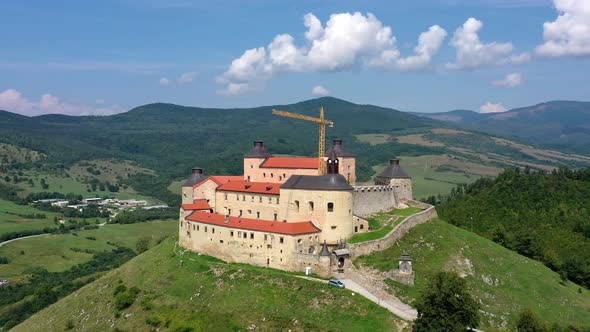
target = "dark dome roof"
x: 339, y: 149
x: 195, y: 178
x: 394, y: 171
x: 316, y: 182
x: 258, y: 151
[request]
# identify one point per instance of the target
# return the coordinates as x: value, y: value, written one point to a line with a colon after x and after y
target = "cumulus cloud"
x: 13, y: 101
x: 473, y: 53
x: 492, y: 108
x: 509, y: 81
x: 185, y: 78
x: 347, y: 41
x: 569, y: 34
x: 319, y: 91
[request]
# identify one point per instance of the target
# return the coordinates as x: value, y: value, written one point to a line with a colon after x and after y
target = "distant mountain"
x: 559, y: 124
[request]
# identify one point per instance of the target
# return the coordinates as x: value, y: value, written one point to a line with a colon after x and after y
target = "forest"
x: 541, y: 215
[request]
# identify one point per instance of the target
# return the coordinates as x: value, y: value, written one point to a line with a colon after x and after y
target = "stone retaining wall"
x: 365, y: 248
x: 371, y: 199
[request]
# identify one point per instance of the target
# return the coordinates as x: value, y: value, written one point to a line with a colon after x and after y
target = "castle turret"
x: 394, y: 175
x: 187, y: 188
x: 332, y: 163
x: 253, y: 159
x: 346, y: 160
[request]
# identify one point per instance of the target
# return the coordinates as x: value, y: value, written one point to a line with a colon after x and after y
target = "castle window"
x: 225, y: 197
x: 249, y: 211
x: 281, y: 240
x: 198, y: 227
x: 280, y: 178
x: 356, y: 229
x: 257, y: 215
x: 275, y: 217
x: 237, y: 197
x: 252, y: 200
x: 362, y: 226
x: 193, y: 227
x: 248, y: 178
x: 243, y: 198
x: 268, y: 246
x: 245, y: 235
x: 251, y: 166
x: 240, y: 213
x: 212, y: 230
x: 264, y: 175
x: 299, y: 241
x: 311, y: 206
x: 265, y: 237
x: 297, y: 205
x: 181, y: 224
x: 231, y: 233
x: 284, y: 175
x: 311, y: 250
x: 330, y: 207
x: 270, y: 200
x: 184, y: 195
x: 220, y: 241
x: 228, y: 212
x: 260, y: 199
x: 271, y: 175
x: 333, y: 227
x: 277, y: 200
x: 205, y: 229
x: 251, y: 235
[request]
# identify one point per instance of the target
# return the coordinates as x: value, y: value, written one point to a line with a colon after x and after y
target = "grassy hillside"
x: 203, y: 294
x: 501, y: 280
x: 60, y: 252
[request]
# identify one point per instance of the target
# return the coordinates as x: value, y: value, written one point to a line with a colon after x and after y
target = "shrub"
x: 3, y: 260
x: 153, y: 321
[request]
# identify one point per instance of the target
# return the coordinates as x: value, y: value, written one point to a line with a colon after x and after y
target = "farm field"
x: 10, y: 221
x: 54, y: 252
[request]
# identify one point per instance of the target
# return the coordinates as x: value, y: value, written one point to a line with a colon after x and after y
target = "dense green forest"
x: 545, y: 216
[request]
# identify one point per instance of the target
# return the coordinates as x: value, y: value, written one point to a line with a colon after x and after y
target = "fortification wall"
x: 365, y: 248
x: 370, y: 199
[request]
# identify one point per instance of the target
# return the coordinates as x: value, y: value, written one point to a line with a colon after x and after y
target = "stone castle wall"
x: 365, y: 248
x: 370, y: 199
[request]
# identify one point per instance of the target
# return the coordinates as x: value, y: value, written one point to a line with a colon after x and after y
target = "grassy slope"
x: 503, y: 281
x: 211, y: 296
x: 377, y: 221
x: 53, y: 252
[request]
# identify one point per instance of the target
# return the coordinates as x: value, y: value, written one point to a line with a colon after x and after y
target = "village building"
x: 281, y: 213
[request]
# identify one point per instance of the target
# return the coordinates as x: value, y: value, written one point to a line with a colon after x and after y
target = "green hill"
x: 204, y: 294
x: 502, y: 281
x: 559, y: 124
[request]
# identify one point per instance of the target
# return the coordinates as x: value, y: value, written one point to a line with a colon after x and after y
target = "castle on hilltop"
x: 282, y: 214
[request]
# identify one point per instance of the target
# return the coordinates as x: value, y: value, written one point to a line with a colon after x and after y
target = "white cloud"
x: 347, y: 41
x: 319, y: 91
x: 569, y: 34
x: 185, y: 78
x: 492, y: 108
x: 473, y: 53
x: 99, y: 101
x: 13, y: 101
x: 509, y: 81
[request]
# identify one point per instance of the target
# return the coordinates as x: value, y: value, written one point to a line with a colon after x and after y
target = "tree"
x: 529, y: 322
x: 142, y: 244
x: 446, y: 305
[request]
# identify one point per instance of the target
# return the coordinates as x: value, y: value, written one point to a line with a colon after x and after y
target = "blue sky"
x: 100, y: 57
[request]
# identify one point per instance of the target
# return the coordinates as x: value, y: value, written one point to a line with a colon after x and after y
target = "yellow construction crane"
x: 322, y: 140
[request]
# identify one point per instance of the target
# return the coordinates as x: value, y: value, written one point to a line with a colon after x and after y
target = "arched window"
x: 310, y: 206
x: 297, y: 205
x: 330, y: 207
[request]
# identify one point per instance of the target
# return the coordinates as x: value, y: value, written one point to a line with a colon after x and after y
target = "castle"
x: 282, y: 214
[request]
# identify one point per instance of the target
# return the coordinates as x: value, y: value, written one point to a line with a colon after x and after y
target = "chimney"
x: 197, y: 170
x: 258, y: 143
x: 393, y: 161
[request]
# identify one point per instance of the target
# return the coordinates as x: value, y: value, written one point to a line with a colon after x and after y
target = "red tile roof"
x: 289, y: 228
x: 200, y: 204
x: 251, y: 187
x: 290, y: 162
x: 220, y: 179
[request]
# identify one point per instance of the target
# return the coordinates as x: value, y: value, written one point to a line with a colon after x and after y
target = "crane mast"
x: 322, y: 122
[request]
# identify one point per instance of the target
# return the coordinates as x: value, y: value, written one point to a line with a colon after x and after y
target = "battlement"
x: 373, y: 188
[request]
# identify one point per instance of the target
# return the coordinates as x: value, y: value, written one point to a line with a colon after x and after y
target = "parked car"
x: 336, y: 283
